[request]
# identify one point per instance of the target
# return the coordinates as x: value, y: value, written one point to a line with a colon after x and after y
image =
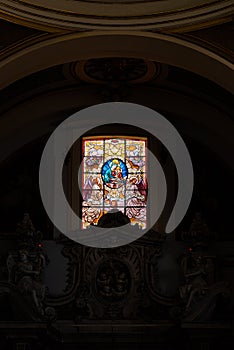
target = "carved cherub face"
x: 23, y: 255
x: 198, y: 260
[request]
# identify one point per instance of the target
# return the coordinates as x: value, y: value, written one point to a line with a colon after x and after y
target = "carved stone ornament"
x: 200, y: 290
x: 25, y: 267
x: 120, y: 283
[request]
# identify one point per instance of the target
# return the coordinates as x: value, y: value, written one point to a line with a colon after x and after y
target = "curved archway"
x: 57, y: 15
x: 43, y: 52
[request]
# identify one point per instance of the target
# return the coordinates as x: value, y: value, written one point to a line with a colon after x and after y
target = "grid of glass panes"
x: 98, y: 197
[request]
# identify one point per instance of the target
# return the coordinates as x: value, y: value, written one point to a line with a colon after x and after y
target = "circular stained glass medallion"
x: 114, y: 173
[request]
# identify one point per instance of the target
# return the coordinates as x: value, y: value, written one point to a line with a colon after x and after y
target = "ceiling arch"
x: 44, y: 51
x: 63, y: 15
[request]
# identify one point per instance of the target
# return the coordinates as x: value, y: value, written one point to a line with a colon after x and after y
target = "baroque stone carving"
x: 28, y: 278
x: 200, y: 291
x: 123, y: 283
x: 28, y: 236
x: 25, y: 267
x: 199, y: 232
x: 113, y: 280
x: 113, y: 277
x: 73, y: 252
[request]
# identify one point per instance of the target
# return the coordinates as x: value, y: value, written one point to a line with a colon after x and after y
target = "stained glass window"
x: 114, y: 177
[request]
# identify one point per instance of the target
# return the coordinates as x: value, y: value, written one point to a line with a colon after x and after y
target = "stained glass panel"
x: 114, y: 177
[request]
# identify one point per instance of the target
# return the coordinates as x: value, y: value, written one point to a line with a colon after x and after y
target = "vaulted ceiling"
x: 180, y: 36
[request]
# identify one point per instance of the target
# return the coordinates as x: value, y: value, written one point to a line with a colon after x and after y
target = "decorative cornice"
x: 18, y: 60
x: 161, y: 15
